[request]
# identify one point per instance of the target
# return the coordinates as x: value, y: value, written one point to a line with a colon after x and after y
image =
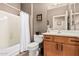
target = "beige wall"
x: 6, y: 8
x: 26, y: 7
x: 40, y: 8
x: 16, y: 5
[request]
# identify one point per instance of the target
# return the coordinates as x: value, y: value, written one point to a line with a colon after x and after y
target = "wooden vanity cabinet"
x: 49, y: 45
x: 70, y: 50
x: 61, y: 46
x: 50, y: 49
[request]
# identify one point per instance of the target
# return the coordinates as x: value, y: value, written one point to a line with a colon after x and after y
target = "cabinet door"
x: 50, y: 49
x: 60, y: 49
x: 70, y: 50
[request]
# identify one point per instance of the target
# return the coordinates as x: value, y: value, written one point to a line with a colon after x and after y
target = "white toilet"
x: 34, y: 46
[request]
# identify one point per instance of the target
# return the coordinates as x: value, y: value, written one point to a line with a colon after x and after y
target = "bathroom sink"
x: 69, y: 33
x: 63, y: 33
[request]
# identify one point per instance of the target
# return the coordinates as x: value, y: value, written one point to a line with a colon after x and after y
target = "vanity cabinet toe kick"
x: 61, y: 45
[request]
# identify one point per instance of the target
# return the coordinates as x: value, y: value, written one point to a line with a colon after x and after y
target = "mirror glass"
x: 64, y: 16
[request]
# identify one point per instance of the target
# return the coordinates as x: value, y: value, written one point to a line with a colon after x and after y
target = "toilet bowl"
x: 34, y: 46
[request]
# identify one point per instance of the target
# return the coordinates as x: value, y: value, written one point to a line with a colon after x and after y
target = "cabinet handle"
x: 74, y: 41
x: 61, y: 47
x: 47, y: 37
x: 56, y: 46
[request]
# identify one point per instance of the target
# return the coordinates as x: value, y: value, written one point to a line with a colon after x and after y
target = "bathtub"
x: 10, y: 51
x: 9, y: 33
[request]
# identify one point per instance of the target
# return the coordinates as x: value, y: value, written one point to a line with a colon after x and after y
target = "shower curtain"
x: 25, y: 31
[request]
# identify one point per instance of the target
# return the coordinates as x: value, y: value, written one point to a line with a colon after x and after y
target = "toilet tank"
x: 38, y: 38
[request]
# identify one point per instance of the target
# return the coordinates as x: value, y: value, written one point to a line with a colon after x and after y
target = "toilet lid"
x: 38, y: 38
x: 32, y: 45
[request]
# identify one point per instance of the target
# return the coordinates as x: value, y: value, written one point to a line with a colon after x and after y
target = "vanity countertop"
x: 64, y: 33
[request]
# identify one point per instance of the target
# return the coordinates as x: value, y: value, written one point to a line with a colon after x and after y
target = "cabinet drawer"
x: 60, y: 39
x: 48, y: 38
x: 73, y: 40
